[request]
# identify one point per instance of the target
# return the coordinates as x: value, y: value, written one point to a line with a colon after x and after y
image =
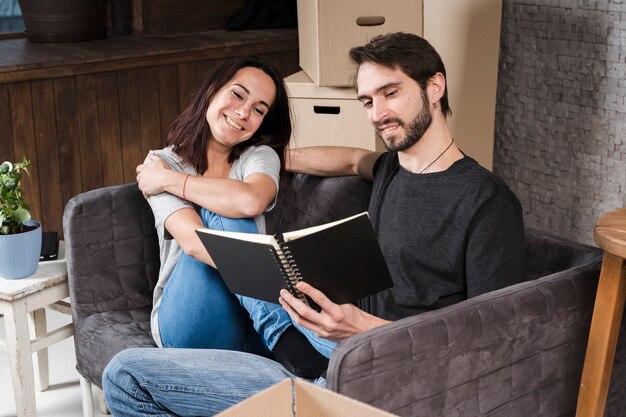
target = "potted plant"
x: 20, y: 237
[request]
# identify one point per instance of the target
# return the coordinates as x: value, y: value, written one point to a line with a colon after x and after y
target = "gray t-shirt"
x: 261, y: 159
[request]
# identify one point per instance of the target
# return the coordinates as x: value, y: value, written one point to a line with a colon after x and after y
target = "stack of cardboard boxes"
x: 466, y: 34
x: 323, y: 98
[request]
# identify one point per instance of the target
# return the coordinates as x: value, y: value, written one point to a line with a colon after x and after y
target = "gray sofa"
x: 517, y: 351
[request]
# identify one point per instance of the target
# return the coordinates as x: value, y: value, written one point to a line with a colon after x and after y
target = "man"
x: 449, y: 230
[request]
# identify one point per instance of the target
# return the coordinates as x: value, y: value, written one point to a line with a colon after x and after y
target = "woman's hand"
x: 152, y: 176
x: 334, y: 322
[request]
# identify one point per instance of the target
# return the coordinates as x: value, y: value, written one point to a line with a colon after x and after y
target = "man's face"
x: 396, y: 105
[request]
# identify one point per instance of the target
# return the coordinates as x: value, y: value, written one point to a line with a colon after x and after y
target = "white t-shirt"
x: 261, y: 159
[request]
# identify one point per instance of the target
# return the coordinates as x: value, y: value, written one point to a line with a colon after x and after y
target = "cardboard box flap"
x: 275, y: 401
x: 314, y: 401
x: 297, y: 398
x: 299, y: 85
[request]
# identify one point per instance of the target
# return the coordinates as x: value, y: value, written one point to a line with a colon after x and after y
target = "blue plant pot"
x: 19, y: 253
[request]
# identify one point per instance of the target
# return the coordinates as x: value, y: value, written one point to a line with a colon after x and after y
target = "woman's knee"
x: 114, y: 369
x: 217, y: 222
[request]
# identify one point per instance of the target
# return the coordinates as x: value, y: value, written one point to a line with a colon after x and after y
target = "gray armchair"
x: 516, y: 351
x: 112, y: 256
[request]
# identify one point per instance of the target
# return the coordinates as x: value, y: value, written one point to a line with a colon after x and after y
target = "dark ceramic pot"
x: 64, y: 20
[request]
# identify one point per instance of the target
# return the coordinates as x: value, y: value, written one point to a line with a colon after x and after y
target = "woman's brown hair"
x: 190, y: 133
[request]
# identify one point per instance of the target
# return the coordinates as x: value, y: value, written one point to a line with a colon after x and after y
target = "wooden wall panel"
x: 110, y: 136
x: 169, y: 110
x: 130, y: 122
x: 203, y: 68
x: 47, y: 169
x: 187, y: 84
x: 89, y: 131
x: 68, y: 141
x: 23, y: 130
x: 6, y: 136
x: 149, y: 111
x: 283, y: 62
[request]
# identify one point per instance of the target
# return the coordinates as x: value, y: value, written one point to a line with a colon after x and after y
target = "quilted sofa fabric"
x: 113, y: 262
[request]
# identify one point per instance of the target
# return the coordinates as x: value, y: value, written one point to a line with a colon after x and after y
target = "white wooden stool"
x: 23, y: 303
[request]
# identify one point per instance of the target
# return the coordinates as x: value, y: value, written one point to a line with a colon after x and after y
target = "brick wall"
x: 560, y: 137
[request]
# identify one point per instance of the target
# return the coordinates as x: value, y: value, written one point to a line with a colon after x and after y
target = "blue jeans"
x: 185, y: 382
x: 270, y: 321
x: 198, y: 311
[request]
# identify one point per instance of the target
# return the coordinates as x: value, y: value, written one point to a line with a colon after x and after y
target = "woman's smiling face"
x: 238, y: 109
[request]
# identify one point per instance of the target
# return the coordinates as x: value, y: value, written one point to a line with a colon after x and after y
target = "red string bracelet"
x: 185, y: 185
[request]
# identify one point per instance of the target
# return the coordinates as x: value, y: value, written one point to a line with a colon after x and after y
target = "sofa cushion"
x: 306, y: 200
x: 103, y: 335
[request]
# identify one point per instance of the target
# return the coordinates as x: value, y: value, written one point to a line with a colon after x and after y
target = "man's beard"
x: 415, y: 131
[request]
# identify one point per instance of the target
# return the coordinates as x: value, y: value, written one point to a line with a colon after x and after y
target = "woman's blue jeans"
x: 197, y: 309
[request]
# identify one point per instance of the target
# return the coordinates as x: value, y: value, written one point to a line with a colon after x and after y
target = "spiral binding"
x: 289, y: 268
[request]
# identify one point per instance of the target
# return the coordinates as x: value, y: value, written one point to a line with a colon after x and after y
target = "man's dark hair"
x: 410, y: 53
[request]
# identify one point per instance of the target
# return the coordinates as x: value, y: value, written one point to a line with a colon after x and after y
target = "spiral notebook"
x: 342, y: 259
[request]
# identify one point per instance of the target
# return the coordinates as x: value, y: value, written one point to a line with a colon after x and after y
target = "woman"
x: 224, y: 154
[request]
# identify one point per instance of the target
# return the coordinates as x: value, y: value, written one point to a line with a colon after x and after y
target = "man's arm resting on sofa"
x: 327, y: 161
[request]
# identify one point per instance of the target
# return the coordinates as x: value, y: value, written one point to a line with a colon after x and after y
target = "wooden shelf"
x: 22, y: 60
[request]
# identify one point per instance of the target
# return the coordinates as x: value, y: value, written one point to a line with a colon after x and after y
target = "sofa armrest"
x: 517, y: 351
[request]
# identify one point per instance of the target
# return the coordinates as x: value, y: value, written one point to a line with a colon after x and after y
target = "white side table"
x: 23, y: 303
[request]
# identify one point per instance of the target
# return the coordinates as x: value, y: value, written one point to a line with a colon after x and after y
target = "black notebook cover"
x: 343, y: 261
x: 248, y: 268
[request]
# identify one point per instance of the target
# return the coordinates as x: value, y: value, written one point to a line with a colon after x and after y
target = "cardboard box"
x: 469, y: 44
x: 297, y: 398
x: 327, y: 29
x: 328, y: 116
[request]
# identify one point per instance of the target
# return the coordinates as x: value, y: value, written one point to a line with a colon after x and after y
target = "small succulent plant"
x: 13, y: 211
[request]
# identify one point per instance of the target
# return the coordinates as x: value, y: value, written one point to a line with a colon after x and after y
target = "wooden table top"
x: 610, y: 232
x: 49, y: 273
